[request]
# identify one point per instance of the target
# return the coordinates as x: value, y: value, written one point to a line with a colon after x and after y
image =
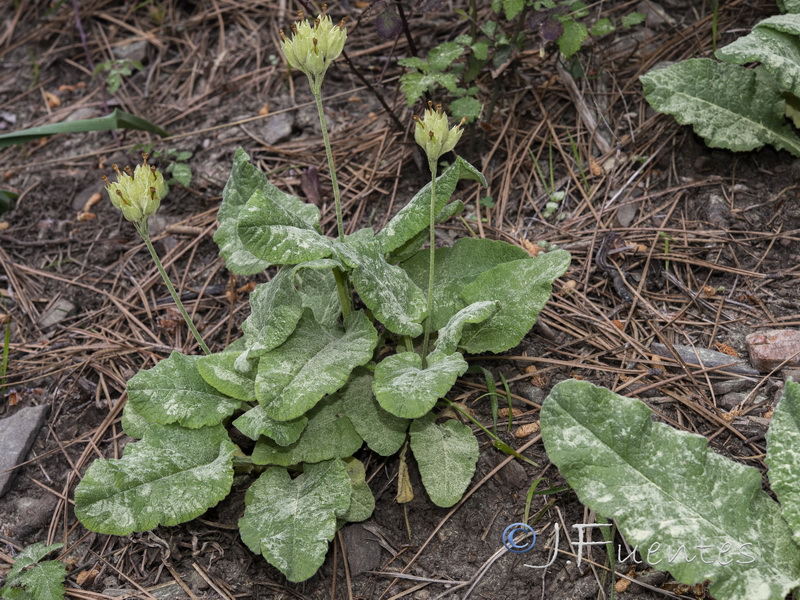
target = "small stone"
x: 17, y: 434
x: 81, y: 114
x: 135, y: 51
x: 513, y: 475
x: 774, y: 347
x: 56, y: 313
x: 363, y: 549
x: 277, y: 128
x: 732, y: 385
x: 626, y: 214
x: 734, y: 399
x: 532, y: 393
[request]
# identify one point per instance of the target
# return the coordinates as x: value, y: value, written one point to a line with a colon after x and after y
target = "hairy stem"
x: 316, y: 92
x: 342, y: 285
x: 145, y: 233
x: 433, y: 166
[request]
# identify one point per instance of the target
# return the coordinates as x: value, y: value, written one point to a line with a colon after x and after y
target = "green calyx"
x: 432, y: 132
x: 313, y: 46
x: 137, y: 193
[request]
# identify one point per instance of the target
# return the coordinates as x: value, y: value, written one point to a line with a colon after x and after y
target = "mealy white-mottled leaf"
x: 174, y: 392
x: 413, y: 218
x: 406, y: 390
x: 783, y: 455
x: 244, y: 180
x: 412, y: 246
x: 521, y: 288
x: 778, y: 53
x: 255, y: 423
x: 290, y: 521
x: 218, y: 371
x: 314, y: 361
x: 317, y: 288
x: 728, y: 106
x: 31, y: 579
x: 171, y: 476
x: 28, y: 557
x: 450, y: 335
x: 667, y: 490
x: 329, y: 434
x: 383, y: 432
x: 275, y: 309
x: 386, y: 289
x: 456, y: 267
x: 133, y: 423
x: 446, y: 455
x: 276, y: 233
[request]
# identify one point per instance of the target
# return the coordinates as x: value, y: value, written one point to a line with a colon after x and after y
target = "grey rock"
x: 532, y: 393
x: 277, y: 128
x: 135, y: 51
x: 363, y: 549
x: 17, y: 434
x: 86, y: 112
x: 708, y: 358
x: 732, y: 385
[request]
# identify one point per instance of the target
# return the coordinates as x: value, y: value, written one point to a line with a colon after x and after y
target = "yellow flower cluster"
x: 432, y: 133
x: 137, y: 193
x: 314, y: 45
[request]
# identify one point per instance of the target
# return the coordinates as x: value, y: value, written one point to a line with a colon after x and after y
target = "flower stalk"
x: 138, y: 194
x: 433, y: 135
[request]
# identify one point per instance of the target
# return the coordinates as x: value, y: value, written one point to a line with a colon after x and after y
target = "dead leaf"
x: 531, y: 248
x: 524, y: 431
x: 264, y: 110
x: 52, y: 100
x: 86, y: 216
x: 405, y: 493
x: 4, y: 225
x: 596, y: 169
x: 503, y: 412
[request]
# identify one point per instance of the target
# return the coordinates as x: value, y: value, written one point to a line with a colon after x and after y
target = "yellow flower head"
x: 432, y: 133
x: 313, y: 46
x: 137, y: 193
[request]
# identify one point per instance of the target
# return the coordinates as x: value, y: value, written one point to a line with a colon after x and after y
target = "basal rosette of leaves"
x: 693, y: 512
x: 311, y: 386
x: 734, y: 107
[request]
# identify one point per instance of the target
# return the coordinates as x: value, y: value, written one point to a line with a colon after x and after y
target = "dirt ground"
x: 707, y: 239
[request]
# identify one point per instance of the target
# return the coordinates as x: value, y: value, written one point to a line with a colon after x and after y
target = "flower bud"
x: 433, y: 135
x: 314, y: 46
x: 137, y: 193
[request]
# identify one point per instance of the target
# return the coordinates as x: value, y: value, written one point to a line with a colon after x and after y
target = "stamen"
x: 116, y: 168
x: 125, y: 201
x: 128, y: 171
x: 439, y: 109
x: 280, y: 33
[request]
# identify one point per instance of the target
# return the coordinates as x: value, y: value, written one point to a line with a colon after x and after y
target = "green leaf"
x: 218, y: 371
x: 255, y: 423
x: 727, y: 106
x: 778, y: 53
x: 290, y: 521
x: 412, y: 246
x: 329, y: 434
x: 602, y: 27
x: 446, y: 455
x: 414, y: 85
x: 382, y: 431
x: 512, y: 8
x: 456, y: 267
x: 275, y: 309
x: 362, y: 502
x: 480, y: 50
x: 118, y: 119
x: 8, y: 199
x: 171, y: 476
x: 521, y: 288
x: 468, y: 107
x: 314, y: 361
x: 414, y: 62
x: 386, y: 289
x: 783, y: 441
x: 45, y: 581
x: 406, y: 390
x: 244, y: 181
x: 443, y: 55
x: 668, y: 491
x: 174, y: 392
x: 272, y: 229
x: 317, y: 289
x: 631, y: 19
x: 569, y: 42
x: 789, y: 6
x: 450, y: 334
x: 133, y: 423
x: 182, y: 173
x: 29, y: 557
x: 413, y: 217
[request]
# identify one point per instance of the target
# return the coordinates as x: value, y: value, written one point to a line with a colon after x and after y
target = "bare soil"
x: 707, y: 241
